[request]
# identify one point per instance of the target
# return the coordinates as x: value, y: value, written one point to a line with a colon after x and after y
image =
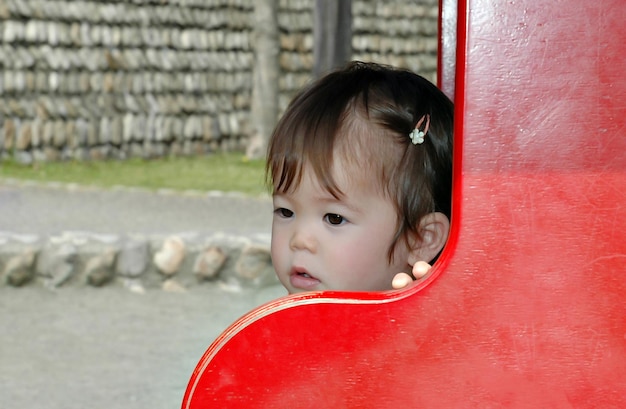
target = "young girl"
x: 360, y: 167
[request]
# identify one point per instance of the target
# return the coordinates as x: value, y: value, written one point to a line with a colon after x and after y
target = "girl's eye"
x: 282, y: 212
x: 334, y: 219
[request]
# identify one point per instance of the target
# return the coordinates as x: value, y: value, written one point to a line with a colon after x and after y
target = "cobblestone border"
x: 137, y: 262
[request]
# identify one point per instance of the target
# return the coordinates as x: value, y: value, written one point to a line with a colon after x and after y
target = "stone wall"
x: 86, y: 79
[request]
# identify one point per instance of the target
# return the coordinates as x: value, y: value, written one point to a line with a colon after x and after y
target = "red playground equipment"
x: 527, y: 305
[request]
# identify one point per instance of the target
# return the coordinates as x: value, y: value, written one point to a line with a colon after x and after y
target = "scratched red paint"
x: 527, y: 306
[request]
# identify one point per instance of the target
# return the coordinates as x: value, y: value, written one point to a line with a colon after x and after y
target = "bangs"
x: 345, y: 117
x: 370, y: 152
x: 306, y: 135
x: 319, y: 138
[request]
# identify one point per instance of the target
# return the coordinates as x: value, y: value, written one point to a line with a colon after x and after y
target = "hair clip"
x: 417, y: 135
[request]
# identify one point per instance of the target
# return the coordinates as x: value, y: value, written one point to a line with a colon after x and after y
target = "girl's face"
x: 322, y: 243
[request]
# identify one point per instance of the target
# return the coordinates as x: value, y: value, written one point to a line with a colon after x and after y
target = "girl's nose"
x: 302, y: 239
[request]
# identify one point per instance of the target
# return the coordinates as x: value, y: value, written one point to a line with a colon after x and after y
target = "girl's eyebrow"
x: 332, y: 200
x: 325, y: 198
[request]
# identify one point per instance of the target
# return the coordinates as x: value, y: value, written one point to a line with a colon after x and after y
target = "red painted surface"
x: 527, y: 306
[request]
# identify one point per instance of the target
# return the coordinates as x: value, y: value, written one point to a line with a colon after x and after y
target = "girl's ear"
x: 433, y: 229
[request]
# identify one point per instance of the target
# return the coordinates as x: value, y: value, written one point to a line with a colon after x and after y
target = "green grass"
x: 225, y: 172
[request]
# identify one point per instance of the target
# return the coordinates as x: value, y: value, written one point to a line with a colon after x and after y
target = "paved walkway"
x: 50, y: 209
x: 81, y: 347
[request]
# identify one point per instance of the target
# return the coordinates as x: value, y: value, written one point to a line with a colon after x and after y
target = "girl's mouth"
x: 301, y: 279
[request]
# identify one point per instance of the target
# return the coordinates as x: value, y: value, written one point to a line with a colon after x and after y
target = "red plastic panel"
x: 527, y: 306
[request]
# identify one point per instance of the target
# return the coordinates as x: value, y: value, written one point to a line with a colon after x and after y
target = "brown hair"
x: 365, y: 113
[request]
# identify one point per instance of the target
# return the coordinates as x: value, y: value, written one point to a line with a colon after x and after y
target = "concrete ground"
x: 109, y: 348
x: 84, y: 347
x: 50, y: 209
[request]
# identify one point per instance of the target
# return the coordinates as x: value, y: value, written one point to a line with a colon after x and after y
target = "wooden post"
x: 332, y: 35
x: 264, y: 105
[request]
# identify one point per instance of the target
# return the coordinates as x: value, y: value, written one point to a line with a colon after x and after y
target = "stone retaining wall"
x: 86, y: 79
x: 136, y: 262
